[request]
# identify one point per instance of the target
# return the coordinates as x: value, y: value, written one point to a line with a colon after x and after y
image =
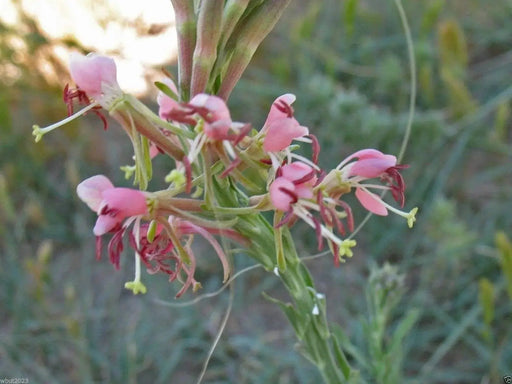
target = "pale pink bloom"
x: 166, y: 104
x: 368, y: 164
x: 281, y: 127
x: 111, y: 204
x: 215, y: 112
x: 95, y: 75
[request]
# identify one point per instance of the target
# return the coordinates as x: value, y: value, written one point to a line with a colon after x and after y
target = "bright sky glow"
x: 140, y: 35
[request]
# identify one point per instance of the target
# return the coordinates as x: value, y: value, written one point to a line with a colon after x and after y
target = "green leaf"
x: 401, y: 331
x: 289, y: 311
x: 166, y: 90
x: 341, y: 358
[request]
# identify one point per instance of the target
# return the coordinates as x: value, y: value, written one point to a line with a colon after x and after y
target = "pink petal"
x: 304, y: 191
x: 105, y: 224
x: 371, y: 167
x: 281, y: 200
x: 275, y: 113
x: 91, y: 71
x: 218, y: 130
x: 215, y: 107
x: 295, y: 171
x: 370, y: 153
x: 281, y: 132
x: 371, y: 202
x: 129, y: 202
x: 90, y: 191
x: 153, y: 150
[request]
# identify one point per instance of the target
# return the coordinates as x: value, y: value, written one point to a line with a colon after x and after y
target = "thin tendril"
x: 412, y: 69
x: 227, y: 284
x: 412, y: 100
x: 211, y: 294
x: 219, y: 333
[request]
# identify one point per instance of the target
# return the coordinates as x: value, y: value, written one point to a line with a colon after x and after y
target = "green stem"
x: 306, y: 312
x: 309, y: 320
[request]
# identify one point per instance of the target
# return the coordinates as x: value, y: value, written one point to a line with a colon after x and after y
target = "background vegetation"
x: 428, y: 305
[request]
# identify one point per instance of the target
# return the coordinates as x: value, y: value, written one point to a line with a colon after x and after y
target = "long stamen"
x: 39, y: 132
x: 409, y: 216
x: 136, y: 286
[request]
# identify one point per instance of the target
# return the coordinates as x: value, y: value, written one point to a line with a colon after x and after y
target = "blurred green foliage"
x: 66, y: 318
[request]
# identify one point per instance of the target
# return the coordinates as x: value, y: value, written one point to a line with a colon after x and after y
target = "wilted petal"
x: 371, y: 202
x: 90, y: 191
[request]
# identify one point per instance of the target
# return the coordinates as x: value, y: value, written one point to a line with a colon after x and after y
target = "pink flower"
x: 369, y: 164
x: 96, y: 76
x: 295, y: 180
x: 112, y: 205
x: 215, y: 113
x: 281, y: 127
x: 302, y: 176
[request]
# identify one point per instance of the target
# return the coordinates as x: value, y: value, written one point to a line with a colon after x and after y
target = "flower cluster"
x: 225, y: 172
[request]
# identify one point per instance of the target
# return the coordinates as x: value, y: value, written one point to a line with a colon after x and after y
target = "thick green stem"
x: 306, y: 312
x: 309, y: 317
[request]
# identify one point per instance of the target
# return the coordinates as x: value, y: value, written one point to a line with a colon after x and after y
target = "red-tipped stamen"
x: 315, y: 146
x: 284, y: 107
